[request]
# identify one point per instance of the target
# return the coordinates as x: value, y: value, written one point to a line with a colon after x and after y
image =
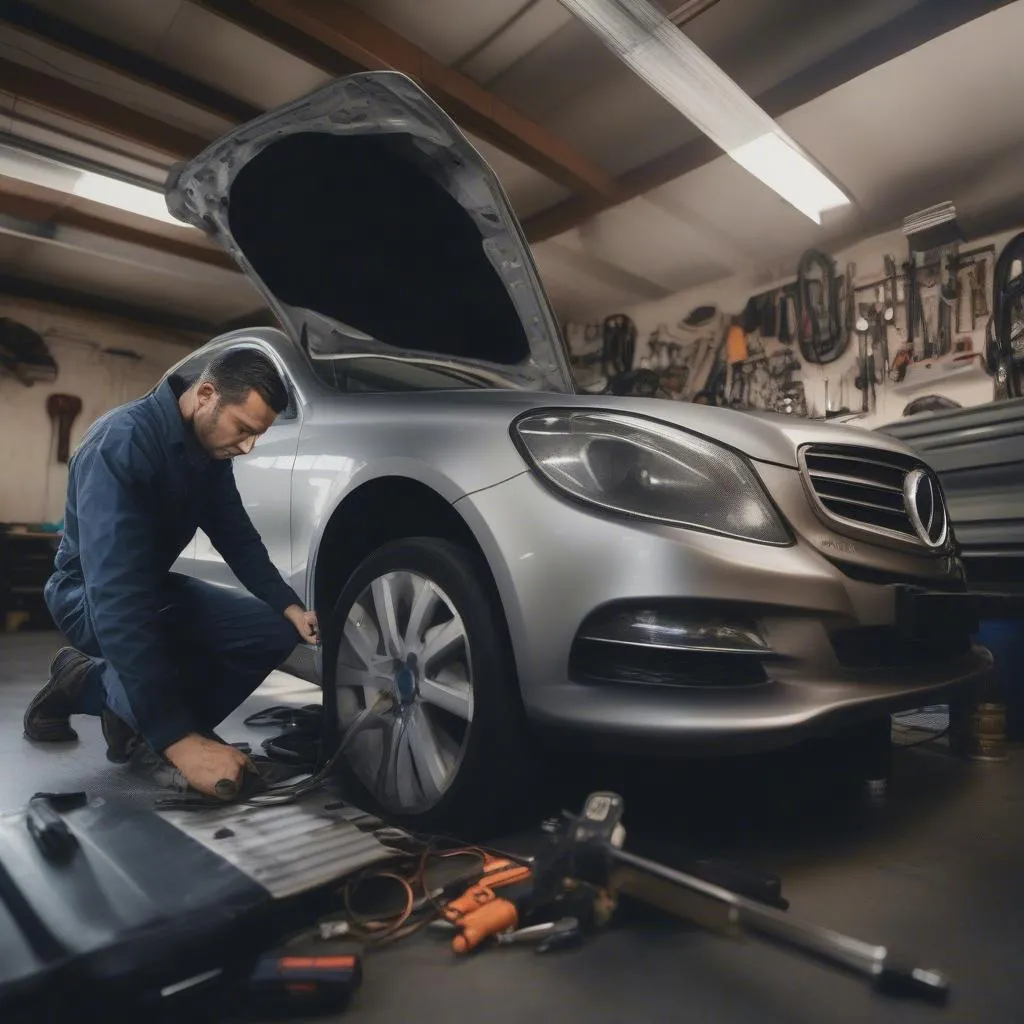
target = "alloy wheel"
x: 404, y: 640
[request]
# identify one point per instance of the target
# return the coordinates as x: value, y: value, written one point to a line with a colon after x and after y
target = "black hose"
x: 816, y: 345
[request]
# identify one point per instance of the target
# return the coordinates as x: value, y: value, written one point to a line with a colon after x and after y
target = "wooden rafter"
x: 44, y: 211
x: 89, y: 108
x: 191, y: 332
x: 352, y: 39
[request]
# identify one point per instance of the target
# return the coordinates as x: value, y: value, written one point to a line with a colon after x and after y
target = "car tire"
x: 447, y: 748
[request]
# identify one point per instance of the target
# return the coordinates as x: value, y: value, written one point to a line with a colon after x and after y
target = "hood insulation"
x: 358, y: 229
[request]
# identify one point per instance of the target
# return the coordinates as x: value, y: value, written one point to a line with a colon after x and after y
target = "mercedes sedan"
x: 492, y: 552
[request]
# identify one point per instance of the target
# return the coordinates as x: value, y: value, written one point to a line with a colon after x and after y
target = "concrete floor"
x: 935, y: 872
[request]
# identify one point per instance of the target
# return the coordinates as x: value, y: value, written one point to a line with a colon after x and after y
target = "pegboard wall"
x: 677, y: 338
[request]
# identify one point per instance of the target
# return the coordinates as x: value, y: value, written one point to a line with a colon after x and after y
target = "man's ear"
x: 206, y: 393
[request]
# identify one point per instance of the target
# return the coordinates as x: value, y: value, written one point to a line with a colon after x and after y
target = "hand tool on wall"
x: 849, y: 299
x: 819, y: 323
x: 927, y: 346
x: 619, y: 345
x: 63, y: 410
x: 880, y: 348
x: 769, y: 315
x: 588, y: 851
x: 785, y: 336
x: 949, y: 299
x: 910, y: 272
x: 865, y: 379
x: 1005, y: 349
x: 892, y: 297
x: 24, y: 355
x: 978, y: 281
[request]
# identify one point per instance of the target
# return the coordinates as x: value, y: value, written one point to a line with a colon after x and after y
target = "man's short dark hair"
x: 238, y: 371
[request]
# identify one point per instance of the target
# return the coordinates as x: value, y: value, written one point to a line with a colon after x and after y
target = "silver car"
x: 492, y: 552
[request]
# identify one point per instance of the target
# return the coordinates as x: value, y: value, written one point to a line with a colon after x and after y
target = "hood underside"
x: 371, y: 225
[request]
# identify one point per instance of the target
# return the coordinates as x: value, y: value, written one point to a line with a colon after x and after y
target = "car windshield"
x: 376, y: 373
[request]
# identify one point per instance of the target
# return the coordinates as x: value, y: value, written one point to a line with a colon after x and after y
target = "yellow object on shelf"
x: 736, y: 350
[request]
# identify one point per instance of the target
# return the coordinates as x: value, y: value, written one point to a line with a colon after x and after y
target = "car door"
x: 263, y: 478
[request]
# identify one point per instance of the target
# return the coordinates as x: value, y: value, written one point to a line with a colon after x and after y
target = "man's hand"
x: 205, y: 762
x: 305, y: 622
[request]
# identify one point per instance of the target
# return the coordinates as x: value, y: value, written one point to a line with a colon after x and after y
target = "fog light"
x: 665, y: 631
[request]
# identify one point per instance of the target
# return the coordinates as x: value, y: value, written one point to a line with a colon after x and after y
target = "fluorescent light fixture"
x: 676, y: 68
x: 784, y: 170
x: 47, y: 172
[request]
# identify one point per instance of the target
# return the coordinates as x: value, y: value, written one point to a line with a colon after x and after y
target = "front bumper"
x: 557, y: 563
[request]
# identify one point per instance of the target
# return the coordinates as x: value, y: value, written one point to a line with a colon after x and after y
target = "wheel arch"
x: 384, y: 509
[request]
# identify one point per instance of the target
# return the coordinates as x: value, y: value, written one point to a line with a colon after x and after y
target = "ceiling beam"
x: 352, y: 39
x: 89, y: 108
x: 915, y: 27
x: 195, y: 331
x: 78, y: 41
x: 44, y: 212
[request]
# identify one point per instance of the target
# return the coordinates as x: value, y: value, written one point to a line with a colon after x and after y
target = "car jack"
x: 587, y: 854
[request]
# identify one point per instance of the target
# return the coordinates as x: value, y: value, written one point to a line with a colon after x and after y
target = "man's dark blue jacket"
x: 139, y: 486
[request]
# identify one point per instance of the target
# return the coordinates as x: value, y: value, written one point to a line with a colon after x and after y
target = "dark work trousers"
x: 226, y: 643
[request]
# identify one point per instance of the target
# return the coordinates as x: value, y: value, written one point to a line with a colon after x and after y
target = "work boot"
x: 121, y: 738
x: 46, y: 718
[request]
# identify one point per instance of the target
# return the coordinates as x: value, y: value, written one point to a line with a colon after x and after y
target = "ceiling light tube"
x: 46, y: 172
x: 678, y: 70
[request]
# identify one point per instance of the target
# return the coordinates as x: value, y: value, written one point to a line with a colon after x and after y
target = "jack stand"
x: 589, y: 852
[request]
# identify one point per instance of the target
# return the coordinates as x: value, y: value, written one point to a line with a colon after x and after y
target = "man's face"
x: 224, y: 430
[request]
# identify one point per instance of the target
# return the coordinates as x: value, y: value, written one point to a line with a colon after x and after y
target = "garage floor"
x: 938, y: 871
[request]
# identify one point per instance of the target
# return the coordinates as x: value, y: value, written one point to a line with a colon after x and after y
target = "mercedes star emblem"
x: 925, y: 508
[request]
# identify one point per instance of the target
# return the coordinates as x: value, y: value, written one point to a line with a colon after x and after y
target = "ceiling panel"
x: 574, y: 294
x: 221, y: 54
x: 446, y: 29
x: 651, y: 242
x: 528, y: 190
x: 81, y: 72
x: 224, y: 296
x: 536, y: 22
x: 46, y: 122
x: 140, y: 24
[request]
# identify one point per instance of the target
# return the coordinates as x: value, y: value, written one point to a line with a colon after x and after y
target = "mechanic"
x: 162, y: 658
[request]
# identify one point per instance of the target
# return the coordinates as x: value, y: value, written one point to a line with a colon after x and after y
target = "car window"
x: 191, y: 369
x: 370, y: 373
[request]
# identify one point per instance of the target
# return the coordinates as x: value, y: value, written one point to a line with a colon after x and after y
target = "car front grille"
x: 877, y: 492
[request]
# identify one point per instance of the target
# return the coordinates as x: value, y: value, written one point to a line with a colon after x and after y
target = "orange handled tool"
x: 487, y: 920
x: 478, y: 913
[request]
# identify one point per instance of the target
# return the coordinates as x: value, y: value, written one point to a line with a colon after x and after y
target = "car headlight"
x: 639, y: 467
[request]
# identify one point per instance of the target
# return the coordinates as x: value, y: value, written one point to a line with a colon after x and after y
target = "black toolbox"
x: 151, y: 906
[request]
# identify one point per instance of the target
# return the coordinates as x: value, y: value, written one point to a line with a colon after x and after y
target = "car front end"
x: 664, y: 587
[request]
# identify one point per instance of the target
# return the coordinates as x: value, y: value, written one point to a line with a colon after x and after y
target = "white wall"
x: 32, y: 482
x: 972, y: 387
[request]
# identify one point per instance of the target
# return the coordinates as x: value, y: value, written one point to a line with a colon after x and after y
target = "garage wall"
x: 971, y: 387
x: 32, y: 482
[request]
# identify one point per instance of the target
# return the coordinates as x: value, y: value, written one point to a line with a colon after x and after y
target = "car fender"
x: 345, y: 486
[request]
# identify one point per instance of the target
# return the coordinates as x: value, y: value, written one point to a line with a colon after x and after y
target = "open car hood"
x: 372, y: 225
